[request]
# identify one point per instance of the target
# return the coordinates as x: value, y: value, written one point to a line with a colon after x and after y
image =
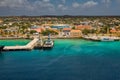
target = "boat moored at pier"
x: 48, y: 44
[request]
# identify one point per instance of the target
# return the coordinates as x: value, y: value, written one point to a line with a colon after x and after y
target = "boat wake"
x: 58, y: 58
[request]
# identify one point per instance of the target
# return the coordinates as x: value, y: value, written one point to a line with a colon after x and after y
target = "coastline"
x: 54, y: 37
x: 11, y: 38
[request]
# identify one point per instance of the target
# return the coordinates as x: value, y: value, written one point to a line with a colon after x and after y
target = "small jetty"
x: 29, y: 46
x: 34, y: 44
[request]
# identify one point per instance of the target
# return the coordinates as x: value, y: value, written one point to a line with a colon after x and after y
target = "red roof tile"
x: 80, y: 27
x: 66, y: 29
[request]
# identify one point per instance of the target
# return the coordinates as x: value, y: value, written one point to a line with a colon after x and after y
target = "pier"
x: 29, y: 46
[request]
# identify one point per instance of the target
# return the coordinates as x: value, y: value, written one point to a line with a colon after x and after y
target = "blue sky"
x: 59, y: 7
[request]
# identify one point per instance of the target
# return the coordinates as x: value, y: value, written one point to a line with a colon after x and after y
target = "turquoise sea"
x: 14, y: 42
x: 70, y: 59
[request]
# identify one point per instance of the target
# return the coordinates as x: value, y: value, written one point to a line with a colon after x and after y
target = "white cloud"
x: 75, y: 5
x: 25, y: 4
x: 62, y: 7
x: 89, y: 4
x: 13, y: 3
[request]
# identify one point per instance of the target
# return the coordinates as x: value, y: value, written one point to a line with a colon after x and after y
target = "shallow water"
x: 68, y: 60
x: 14, y: 42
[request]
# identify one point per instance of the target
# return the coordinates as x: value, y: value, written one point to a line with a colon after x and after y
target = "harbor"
x: 48, y: 43
x: 34, y: 44
x: 68, y: 57
x: 59, y: 40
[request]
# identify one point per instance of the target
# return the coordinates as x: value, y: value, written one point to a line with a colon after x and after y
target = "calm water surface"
x: 68, y: 60
x: 14, y: 42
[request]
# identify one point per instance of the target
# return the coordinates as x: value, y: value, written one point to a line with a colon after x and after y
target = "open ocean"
x: 70, y: 59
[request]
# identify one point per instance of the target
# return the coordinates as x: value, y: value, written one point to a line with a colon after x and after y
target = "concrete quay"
x: 29, y: 46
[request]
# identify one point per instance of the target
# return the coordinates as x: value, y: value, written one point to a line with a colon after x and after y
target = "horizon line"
x: 60, y: 16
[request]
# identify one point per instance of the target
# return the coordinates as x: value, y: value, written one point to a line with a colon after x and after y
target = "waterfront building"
x: 75, y: 33
x: 82, y: 27
x: 66, y: 32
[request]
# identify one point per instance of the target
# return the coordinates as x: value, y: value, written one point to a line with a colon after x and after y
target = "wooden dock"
x: 29, y: 46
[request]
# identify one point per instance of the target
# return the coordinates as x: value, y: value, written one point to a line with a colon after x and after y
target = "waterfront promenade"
x: 29, y: 46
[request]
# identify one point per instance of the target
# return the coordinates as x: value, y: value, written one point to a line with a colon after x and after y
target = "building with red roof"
x: 75, y: 33
x: 66, y: 32
x: 113, y: 30
x: 82, y: 27
x: 37, y: 28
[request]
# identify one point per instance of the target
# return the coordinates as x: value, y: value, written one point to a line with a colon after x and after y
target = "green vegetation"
x: 47, y: 32
x: 87, y: 31
x: 32, y: 31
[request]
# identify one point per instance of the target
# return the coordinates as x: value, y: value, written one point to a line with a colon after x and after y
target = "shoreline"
x: 13, y: 38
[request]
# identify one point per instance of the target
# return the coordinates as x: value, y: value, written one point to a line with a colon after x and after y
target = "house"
x: 38, y: 29
x: 113, y: 30
x: 82, y: 27
x: 75, y: 33
x: 66, y: 32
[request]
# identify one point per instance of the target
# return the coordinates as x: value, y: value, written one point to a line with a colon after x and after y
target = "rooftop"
x: 66, y: 29
x: 75, y: 31
x: 83, y: 27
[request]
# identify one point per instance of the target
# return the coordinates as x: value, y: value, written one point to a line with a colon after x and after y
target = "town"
x: 59, y: 26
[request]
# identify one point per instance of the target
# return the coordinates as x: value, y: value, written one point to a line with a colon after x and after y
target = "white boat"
x: 48, y: 43
x: 107, y: 39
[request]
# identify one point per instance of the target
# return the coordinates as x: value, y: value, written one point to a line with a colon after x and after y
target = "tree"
x: 47, y: 32
x: 32, y: 31
x: 73, y: 27
x: 105, y: 30
x: 85, y: 31
x: 92, y: 31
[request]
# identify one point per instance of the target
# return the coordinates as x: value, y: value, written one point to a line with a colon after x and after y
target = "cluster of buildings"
x: 64, y: 30
x: 64, y: 26
x: 115, y: 30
